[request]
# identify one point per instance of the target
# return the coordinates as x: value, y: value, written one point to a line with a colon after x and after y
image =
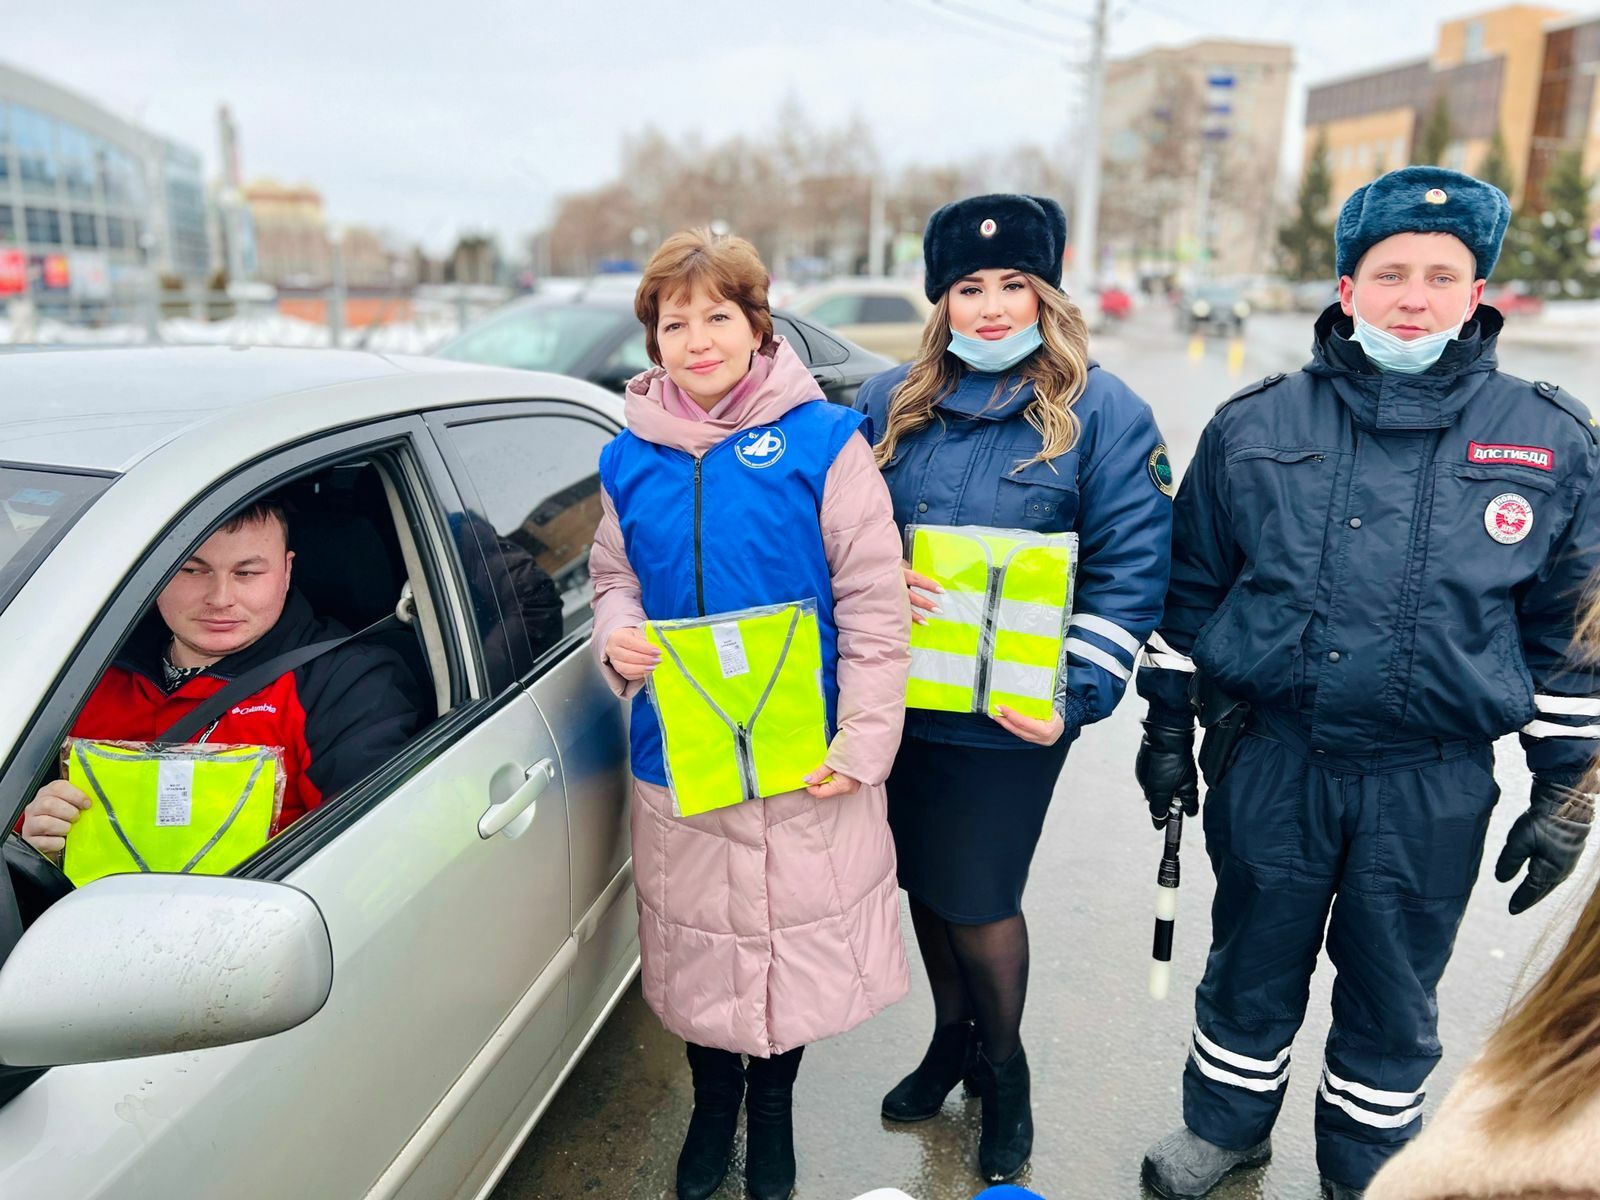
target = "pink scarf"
x: 678, y: 403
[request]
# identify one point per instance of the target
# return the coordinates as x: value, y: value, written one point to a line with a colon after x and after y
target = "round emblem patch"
x: 760, y: 448
x: 1509, y: 518
x: 988, y: 228
x: 1160, y: 468
x: 1435, y: 196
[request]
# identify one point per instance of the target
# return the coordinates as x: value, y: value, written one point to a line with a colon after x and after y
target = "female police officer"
x: 1003, y: 421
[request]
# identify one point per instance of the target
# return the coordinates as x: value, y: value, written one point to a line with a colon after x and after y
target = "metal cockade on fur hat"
x: 1007, y: 232
x: 1423, y: 200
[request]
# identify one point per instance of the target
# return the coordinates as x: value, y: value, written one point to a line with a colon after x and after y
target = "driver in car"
x: 229, y: 609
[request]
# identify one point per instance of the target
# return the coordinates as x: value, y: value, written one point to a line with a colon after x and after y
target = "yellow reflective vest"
x: 198, y: 809
x: 739, y: 698
x: 1000, y: 635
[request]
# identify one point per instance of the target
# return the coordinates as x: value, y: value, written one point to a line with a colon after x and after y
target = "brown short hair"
x: 261, y: 510
x: 728, y: 267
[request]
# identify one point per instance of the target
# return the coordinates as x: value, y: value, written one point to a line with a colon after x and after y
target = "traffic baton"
x: 1166, y: 904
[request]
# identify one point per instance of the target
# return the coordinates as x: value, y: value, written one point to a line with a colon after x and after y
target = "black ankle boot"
x: 769, y: 1126
x: 1005, y: 1139
x: 718, y: 1089
x: 950, y: 1058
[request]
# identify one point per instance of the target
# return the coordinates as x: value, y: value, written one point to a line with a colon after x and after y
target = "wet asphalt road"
x: 1106, y: 1059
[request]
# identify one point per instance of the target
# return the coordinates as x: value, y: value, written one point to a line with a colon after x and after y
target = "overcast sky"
x: 428, y: 119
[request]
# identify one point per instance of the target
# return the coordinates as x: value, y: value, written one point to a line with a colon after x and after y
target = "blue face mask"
x: 993, y: 357
x: 1390, y: 353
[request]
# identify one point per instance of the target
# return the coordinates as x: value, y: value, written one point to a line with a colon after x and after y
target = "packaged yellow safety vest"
x: 1000, y: 636
x: 739, y: 697
x: 200, y: 809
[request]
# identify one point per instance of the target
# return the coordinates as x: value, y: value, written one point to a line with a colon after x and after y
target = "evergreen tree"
x: 1305, y: 243
x: 1434, y: 140
x: 1551, y: 246
x: 1496, y: 165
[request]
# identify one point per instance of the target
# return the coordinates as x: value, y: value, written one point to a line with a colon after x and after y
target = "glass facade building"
x: 93, y: 204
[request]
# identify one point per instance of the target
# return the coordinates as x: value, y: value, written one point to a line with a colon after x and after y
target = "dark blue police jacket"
x: 1386, y: 558
x: 1112, y: 488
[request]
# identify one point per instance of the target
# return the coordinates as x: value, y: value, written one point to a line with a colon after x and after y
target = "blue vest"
x: 738, y: 528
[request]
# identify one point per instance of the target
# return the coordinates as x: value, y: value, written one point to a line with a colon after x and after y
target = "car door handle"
x: 497, y: 816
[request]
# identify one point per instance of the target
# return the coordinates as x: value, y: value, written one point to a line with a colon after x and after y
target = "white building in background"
x: 93, y: 209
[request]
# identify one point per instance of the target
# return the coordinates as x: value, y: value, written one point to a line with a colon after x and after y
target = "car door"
x: 531, y: 473
x: 444, y: 882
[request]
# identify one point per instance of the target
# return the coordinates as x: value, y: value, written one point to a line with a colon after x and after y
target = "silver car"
x: 382, y: 1001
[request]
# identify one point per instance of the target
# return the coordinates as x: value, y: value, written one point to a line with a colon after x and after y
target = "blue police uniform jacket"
x: 737, y: 528
x: 1386, y: 558
x: 1112, y: 488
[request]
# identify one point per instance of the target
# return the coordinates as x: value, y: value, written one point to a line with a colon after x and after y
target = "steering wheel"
x: 37, y: 882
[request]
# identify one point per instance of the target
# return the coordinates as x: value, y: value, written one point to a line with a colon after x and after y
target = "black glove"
x: 1165, y: 769
x: 1549, y: 837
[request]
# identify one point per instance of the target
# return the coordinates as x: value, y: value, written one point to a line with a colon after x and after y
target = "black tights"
x: 977, y: 972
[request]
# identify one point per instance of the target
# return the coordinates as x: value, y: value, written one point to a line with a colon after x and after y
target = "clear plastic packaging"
x: 1000, y: 635
x: 740, y: 701
x: 199, y: 808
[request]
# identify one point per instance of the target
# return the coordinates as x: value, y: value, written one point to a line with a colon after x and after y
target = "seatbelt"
x: 211, y: 709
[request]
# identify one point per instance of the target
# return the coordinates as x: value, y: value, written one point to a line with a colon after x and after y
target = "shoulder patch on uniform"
x: 1259, y: 385
x: 1160, y: 468
x: 1574, y: 407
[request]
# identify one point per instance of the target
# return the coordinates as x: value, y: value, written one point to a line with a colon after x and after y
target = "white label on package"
x: 174, y: 791
x: 730, y: 650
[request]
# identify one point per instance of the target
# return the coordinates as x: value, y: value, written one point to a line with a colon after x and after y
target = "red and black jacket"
x: 336, y: 718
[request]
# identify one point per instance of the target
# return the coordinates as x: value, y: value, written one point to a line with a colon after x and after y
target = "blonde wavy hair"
x: 1545, y: 1056
x: 1058, y: 370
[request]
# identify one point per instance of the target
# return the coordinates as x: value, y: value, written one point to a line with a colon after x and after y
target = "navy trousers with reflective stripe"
x: 1381, y: 854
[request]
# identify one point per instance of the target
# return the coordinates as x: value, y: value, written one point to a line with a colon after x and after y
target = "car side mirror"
x: 614, y: 379
x: 131, y: 965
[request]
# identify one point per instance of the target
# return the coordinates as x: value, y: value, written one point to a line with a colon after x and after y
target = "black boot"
x: 718, y: 1089
x: 1005, y: 1139
x: 951, y: 1056
x: 769, y: 1126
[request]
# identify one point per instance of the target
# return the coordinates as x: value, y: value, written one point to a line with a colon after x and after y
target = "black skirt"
x: 966, y: 821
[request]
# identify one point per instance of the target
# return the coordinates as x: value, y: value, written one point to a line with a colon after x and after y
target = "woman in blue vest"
x: 1002, y: 420
x: 774, y: 923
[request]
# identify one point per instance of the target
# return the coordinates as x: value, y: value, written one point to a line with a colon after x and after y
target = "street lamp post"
x: 1085, y: 244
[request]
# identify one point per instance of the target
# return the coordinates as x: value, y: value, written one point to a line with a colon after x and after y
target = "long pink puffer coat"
x: 776, y: 923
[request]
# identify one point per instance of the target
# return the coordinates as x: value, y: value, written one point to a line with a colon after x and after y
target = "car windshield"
x: 537, y: 337
x: 36, y: 507
x: 1216, y: 295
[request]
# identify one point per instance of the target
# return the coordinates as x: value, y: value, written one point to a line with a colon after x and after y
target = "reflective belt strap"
x: 238, y: 807
x: 111, y: 813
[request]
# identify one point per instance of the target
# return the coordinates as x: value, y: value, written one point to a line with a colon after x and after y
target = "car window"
x: 535, y: 337
x: 537, y: 479
x: 836, y: 310
x: 631, y: 356
x: 36, y: 507
x: 888, y: 310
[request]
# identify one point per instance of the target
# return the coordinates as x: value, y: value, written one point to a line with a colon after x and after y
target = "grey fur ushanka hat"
x: 1423, y: 200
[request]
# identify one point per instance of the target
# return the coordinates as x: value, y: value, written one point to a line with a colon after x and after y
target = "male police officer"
x: 1376, y: 565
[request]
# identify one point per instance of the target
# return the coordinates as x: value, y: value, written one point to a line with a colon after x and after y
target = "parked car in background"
x: 885, y: 316
x: 382, y: 1000
x: 597, y: 338
x: 1314, y: 295
x: 1514, y: 299
x: 1213, y: 308
x: 1267, y: 293
x: 1115, y: 304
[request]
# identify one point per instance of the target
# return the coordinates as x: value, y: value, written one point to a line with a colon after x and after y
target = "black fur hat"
x: 1423, y: 200
x: 1010, y: 232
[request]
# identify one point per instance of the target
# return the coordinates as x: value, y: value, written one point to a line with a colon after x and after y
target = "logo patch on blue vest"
x: 759, y: 448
